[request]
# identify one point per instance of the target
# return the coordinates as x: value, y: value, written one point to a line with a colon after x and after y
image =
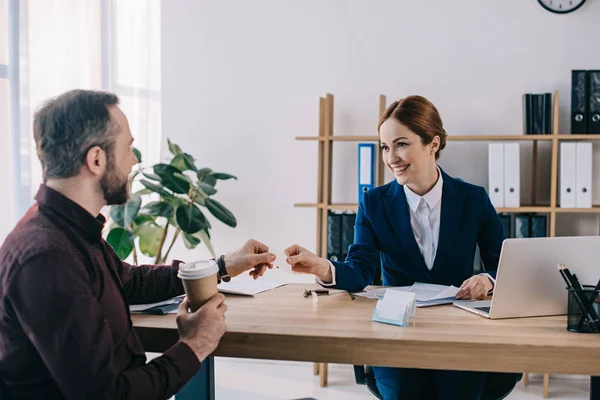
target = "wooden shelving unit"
x: 326, y: 138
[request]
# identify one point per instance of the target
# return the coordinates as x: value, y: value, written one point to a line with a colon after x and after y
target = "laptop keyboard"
x: 484, y: 309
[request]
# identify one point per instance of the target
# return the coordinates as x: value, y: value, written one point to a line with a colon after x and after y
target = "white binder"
x: 496, y: 174
x: 583, y: 197
x: 568, y: 174
x: 512, y: 175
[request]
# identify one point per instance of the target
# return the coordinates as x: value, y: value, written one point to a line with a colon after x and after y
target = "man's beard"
x: 114, y: 189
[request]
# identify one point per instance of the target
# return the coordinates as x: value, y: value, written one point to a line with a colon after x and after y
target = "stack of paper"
x: 432, y: 295
x: 427, y: 294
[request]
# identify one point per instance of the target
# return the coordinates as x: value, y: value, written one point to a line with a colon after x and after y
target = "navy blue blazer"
x: 383, y: 234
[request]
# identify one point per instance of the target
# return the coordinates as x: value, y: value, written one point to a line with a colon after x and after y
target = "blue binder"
x: 366, y: 168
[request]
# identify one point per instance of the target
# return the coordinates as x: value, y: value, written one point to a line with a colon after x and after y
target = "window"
x: 72, y: 44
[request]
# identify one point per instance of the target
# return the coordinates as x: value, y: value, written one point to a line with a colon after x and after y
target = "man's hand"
x: 253, y: 255
x: 202, y: 330
x: 475, y: 288
x: 306, y: 262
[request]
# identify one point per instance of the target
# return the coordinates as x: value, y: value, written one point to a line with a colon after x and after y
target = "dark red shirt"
x: 65, y: 328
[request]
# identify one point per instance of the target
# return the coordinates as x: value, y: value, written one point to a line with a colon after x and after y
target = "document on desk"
x: 250, y: 287
x: 427, y: 294
x: 162, y: 307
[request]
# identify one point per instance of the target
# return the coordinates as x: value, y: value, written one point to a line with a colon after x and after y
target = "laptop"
x: 528, y: 283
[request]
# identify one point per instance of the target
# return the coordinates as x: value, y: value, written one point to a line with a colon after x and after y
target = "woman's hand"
x: 475, y: 288
x: 306, y: 262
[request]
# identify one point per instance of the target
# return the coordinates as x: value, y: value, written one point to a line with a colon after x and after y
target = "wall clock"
x: 561, y: 6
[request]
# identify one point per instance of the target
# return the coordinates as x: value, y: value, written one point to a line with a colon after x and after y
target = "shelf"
x: 524, y: 209
x: 465, y: 138
x: 578, y: 137
x: 337, y: 206
x: 594, y: 209
x: 308, y: 205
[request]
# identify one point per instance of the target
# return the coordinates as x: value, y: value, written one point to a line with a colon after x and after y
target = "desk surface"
x: 283, y: 325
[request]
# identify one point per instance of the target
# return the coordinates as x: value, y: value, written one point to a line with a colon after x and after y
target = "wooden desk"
x: 283, y: 325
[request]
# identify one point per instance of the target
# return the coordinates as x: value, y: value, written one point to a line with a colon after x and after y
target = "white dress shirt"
x: 425, y: 213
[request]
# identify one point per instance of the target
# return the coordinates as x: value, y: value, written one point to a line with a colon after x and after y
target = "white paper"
x: 429, y: 291
x: 379, y: 292
x: 249, y: 286
x: 391, y: 310
x: 143, y: 307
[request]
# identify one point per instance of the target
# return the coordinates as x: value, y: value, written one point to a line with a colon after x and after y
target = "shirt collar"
x: 432, y: 198
x: 66, y: 208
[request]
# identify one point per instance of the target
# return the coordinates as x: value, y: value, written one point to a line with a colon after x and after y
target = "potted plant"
x: 183, y: 191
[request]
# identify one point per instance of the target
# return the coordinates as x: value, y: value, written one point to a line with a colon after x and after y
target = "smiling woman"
x: 412, y: 136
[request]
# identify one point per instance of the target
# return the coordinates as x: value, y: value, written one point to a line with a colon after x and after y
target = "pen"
x: 575, y: 286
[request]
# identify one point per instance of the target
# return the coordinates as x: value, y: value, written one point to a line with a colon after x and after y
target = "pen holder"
x: 583, y: 311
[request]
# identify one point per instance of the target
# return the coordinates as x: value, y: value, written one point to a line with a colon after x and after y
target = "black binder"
x: 594, y: 102
x: 522, y: 226
x: 538, y: 114
x: 506, y: 224
x: 579, y: 102
x: 348, y: 220
x: 527, y: 113
x: 334, y: 236
x: 539, y: 226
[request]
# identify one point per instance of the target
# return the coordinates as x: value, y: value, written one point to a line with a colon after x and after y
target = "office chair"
x: 498, y: 387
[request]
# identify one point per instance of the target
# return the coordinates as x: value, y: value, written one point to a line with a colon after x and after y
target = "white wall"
x: 242, y: 78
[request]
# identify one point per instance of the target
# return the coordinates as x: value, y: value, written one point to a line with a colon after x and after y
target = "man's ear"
x: 95, y: 160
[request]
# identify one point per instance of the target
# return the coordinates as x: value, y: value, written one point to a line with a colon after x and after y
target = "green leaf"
x: 138, y: 155
x: 206, y: 189
x: 190, y: 241
x: 124, y: 214
x: 142, y: 192
x: 210, y: 180
x: 189, y: 218
x: 150, y: 237
x: 184, y: 162
x: 159, y: 209
x: 155, y: 188
x: 151, y: 176
x: 222, y: 176
x: 143, y: 219
x: 204, y: 236
x: 203, y: 173
x: 121, y: 241
x: 220, y: 212
x: 183, y: 176
x: 200, y: 200
x: 178, y: 162
x: 169, y: 180
x: 173, y: 148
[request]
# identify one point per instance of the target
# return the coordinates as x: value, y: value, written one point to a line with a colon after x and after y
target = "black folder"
x: 579, y: 102
x: 539, y: 226
x: 348, y: 220
x: 522, y: 226
x: 594, y: 102
x: 334, y: 236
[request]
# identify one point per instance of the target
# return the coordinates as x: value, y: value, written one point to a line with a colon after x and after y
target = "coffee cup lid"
x: 197, y: 269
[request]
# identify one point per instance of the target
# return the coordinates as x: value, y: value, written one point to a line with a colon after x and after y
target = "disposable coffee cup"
x: 199, y: 281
